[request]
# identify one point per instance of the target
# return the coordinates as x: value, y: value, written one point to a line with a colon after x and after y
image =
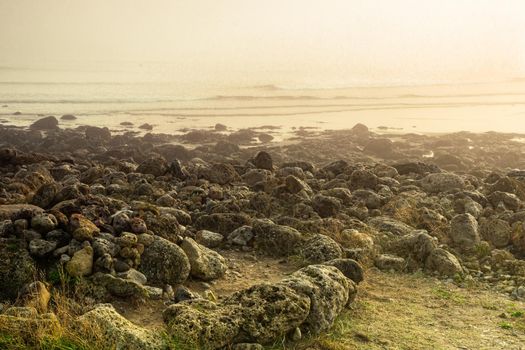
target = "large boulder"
x: 329, y: 292
x: 46, y: 123
x: 276, y: 240
x: 202, y: 324
x: 118, y: 332
x: 464, y: 231
x: 442, y: 182
x: 268, y: 312
x: 164, y: 262
x: 263, y: 160
x: 443, y: 263
x: 387, y: 224
x: 81, y: 264
x: 326, y: 206
x: 17, y: 268
x: 319, y: 249
x: 206, y: 264
x: 496, y: 231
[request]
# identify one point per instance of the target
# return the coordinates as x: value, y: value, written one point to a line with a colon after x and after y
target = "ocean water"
x: 174, y: 100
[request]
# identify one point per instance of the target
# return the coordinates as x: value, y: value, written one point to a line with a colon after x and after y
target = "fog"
x: 405, y: 40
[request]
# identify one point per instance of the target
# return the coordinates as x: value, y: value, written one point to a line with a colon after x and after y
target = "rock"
x: 255, y: 176
x: 83, y: 229
x: 263, y: 160
x: 156, y: 166
x: 319, y: 249
x: 444, y: 263
x: 120, y: 287
x: 36, y: 295
x: 206, y: 264
x: 379, y: 147
x: 326, y: 206
x: 68, y: 117
x: 164, y: 262
x: 268, y: 312
x: 329, y: 292
x: 134, y: 275
x: 362, y: 178
x: 44, y: 222
x: 223, y: 223
x: 119, y: 333
x: 509, y: 200
x: 81, y: 264
x: 202, y: 324
x: 295, y: 185
x: 47, y: 123
x: 222, y: 174
x: 496, y: 231
x: 241, y: 236
x: 360, y: 130
x: 442, y: 182
x: 27, y: 325
x: 98, y: 134
x: 17, y: 268
x: 349, y: 267
x: 416, y: 168
x: 16, y: 211
x: 40, y: 247
x: 208, y: 238
x: 45, y: 196
x: 146, y: 126
x: 276, y: 240
x: 183, y: 293
x: 387, y: 224
x: 220, y: 127
x: 335, y: 168
x: 464, y: 231
x: 387, y: 262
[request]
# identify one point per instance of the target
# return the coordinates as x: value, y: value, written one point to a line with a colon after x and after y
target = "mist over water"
x: 433, y: 66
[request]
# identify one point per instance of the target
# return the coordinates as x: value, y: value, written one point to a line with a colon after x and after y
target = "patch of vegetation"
x: 505, y: 325
x: 448, y: 295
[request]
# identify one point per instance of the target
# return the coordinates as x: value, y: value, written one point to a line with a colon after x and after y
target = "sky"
x: 402, y: 39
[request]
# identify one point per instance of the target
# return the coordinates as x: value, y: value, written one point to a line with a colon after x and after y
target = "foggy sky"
x: 463, y: 38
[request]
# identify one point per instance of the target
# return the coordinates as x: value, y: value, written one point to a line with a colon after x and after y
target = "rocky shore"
x: 89, y: 218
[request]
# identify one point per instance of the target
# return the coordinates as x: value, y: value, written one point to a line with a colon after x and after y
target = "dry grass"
x: 397, y: 311
x: 61, y: 332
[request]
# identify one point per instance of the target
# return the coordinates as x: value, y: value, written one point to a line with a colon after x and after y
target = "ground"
x: 392, y: 311
x: 400, y: 311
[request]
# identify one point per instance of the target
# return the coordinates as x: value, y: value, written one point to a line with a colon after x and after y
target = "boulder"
x: 329, y: 292
x: 276, y: 240
x: 46, y: 123
x: 208, y: 238
x: 326, y: 206
x: 319, y: 249
x: 164, y: 262
x: 496, y: 231
x: 349, y: 267
x: 267, y: 312
x: 118, y: 332
x: 81, y: 264
x: 387, y: 262
x: 464, y: 231
x: 263, y: 160
x: 205, y: 263
x: 442, y: 182
x: 202, y: 324
x: 443, y: 263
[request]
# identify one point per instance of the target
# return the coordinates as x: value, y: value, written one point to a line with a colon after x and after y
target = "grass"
x: 412, y: 311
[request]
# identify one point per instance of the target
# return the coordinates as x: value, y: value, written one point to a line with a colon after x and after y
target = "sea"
x: 174, y: 99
